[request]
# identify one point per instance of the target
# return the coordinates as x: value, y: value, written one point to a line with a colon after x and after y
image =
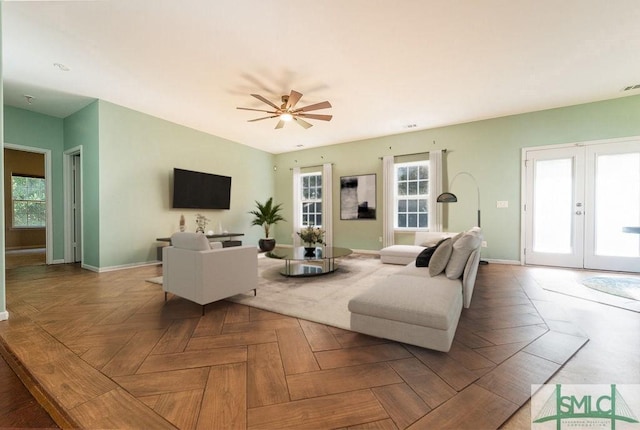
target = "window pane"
x: 617, y: 204
x: 424, y: 172
x: 423, y: 187
x: 402, y: 205
x: 319, y: 219
x: 402, y: 189
x: 412, y: 220
x: 553, y: 215
x: 402, y: 220
x: 423, y: 221
x: 413, y: 206
x: 413, y: 188
x: 422, y: 205
x: 413, y: 173
x: 402, y: 173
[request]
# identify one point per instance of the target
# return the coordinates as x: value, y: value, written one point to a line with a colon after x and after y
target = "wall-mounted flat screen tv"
x: 198, y: 190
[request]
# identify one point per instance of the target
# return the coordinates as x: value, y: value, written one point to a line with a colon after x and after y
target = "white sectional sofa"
x: 405, y: 254
x: 422, y: 305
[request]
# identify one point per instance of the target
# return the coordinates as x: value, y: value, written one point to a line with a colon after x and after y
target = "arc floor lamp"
x: 449, y: 197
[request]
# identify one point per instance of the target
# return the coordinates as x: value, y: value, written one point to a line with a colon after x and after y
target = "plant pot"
x: 267, y: 245
x: 309, y: 251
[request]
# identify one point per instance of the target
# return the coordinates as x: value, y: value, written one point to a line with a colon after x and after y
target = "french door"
x: 577, y: 201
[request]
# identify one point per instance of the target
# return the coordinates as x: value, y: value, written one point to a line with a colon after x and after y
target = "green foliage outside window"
x: 29, y: 201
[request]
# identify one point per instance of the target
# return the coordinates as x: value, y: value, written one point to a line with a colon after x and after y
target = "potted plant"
x: 266, y: 215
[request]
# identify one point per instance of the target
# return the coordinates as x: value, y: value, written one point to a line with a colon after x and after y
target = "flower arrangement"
x: 201, y: 222
x: 312, y: 235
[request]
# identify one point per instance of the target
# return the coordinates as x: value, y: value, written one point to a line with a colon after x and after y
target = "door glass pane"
x: 617, y: 204
x: 553, y: 201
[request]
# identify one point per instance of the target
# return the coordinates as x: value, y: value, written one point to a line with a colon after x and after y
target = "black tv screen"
x: 197, y: 190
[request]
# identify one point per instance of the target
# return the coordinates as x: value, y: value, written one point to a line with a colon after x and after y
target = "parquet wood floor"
x: 111, y: 353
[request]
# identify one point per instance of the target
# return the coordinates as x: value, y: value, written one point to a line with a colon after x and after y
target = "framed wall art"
x: 358, y: 197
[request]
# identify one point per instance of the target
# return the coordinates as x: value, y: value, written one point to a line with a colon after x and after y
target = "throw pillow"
x: 462, y: 249
x: 425, y: 255
x: 440, y: 258
x: 455, y: 238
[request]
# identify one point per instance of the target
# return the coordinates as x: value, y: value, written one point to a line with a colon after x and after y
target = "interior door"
x: 578, y: 199
x: 613, y: 196
x: 554, y: 207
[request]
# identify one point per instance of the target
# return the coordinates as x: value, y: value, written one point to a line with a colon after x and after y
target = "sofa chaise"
x: 422, y: 305
x: 405, y: 254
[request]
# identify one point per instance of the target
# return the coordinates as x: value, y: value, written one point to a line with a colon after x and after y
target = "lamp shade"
x: 447, y: 198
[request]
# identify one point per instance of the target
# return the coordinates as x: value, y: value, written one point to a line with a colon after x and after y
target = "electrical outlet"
x: 380, y: 239
x: 501, y: 204
x: 484, y: 244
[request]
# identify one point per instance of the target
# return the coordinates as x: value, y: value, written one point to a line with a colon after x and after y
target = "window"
x: 311, y: 189
x: 28, y: 201
x: 411, y: 195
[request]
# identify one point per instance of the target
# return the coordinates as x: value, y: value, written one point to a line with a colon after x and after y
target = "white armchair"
x: 196, y: 272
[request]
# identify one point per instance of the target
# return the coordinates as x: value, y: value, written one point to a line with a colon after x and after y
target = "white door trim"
x: 523, y: 178
x: 48, y: 192
x: 68, y: 202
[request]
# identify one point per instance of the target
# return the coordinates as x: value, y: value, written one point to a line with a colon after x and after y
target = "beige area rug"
x: 321, y: 299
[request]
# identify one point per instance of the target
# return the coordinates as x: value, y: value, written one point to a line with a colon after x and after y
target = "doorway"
x: 72, y: 168
x: 28, y: 209
x: 577, y: 200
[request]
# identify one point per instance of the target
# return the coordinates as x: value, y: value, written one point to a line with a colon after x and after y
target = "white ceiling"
x: 383, y: 64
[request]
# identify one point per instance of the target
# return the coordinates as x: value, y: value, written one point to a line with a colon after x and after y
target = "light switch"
x: 501, y: 204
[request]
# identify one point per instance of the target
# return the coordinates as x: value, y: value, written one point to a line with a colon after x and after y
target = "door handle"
x: 578, y: 212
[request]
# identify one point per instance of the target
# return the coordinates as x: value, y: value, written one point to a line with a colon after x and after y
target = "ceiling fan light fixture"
x: 286, y: 116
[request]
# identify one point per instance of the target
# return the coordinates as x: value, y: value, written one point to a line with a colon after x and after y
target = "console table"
x: 230, y: 241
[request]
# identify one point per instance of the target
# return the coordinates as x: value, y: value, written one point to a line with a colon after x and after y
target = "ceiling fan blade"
x: 315, y: 116
x: 294, y: 97
x: 321, y: 105
x: 262, y: 99
x: 265, y: 117
x: 256, y: 110
x: 280, y: 124
x: 302, y: 122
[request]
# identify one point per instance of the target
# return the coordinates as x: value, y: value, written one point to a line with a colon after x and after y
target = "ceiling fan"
x: 288, y: 112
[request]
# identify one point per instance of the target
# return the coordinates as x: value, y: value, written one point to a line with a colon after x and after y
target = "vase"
x: 309, y: 251
x: 267, y: 244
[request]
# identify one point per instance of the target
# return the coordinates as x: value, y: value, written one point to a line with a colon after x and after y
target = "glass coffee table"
x: 299, y: 262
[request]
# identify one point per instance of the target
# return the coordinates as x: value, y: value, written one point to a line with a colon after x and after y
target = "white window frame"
x: 397, y: 197
x: 14, y: 200
x: 306, y: 201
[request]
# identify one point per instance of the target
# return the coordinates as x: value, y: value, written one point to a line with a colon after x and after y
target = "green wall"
x: 490, y: 150
x: 82, y: 130
x: 35, y: 130
x: 137, y: 154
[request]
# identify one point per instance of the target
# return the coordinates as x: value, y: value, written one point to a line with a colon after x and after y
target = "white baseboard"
x: 125, y: 266
x: 58, y: 262
x: 366, y: 251
x: 4, y: 316
x: 88, y: 267
x: 497, y: 261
